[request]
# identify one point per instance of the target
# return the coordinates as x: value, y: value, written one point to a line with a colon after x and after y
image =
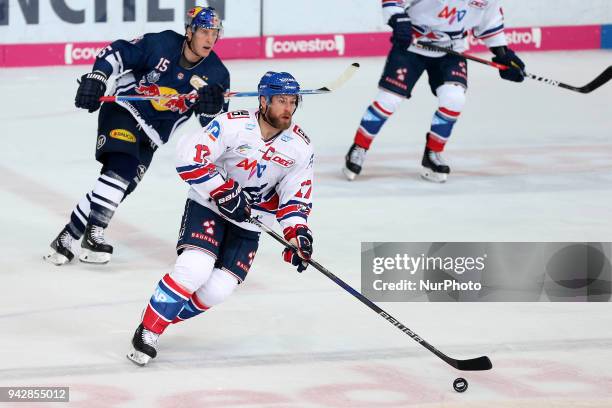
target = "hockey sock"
x: 80, y: 217
x: 192, y: 308
x: 441, y: 129
x: 105, y: 197
x: 165, y: 304
x: 451, y: 99
x: 375, y: 117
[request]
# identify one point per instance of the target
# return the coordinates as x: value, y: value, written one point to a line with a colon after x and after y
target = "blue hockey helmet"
x: 278, y: 83
x: 203, y: 17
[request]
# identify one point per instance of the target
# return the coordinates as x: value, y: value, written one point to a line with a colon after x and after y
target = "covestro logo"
x: 305, y: 46
x: 74, y: 54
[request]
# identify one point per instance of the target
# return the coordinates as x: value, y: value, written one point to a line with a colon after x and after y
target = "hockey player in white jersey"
x: 445, y: 23
x: 249, y: 163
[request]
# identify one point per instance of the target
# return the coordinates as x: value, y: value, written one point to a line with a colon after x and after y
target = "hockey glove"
x: 210, y: 100
x: 301, y: 237
x: 402, y: 29
x: 507, y: 57
x: 91, y: 87
x: 232, y: 201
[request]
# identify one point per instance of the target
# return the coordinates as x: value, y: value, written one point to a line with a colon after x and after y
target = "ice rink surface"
x: 530, y: 162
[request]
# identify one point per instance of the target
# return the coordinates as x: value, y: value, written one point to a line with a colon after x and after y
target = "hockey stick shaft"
x: 345, y: 76
x: 476, y: 364
x: 600, y: 80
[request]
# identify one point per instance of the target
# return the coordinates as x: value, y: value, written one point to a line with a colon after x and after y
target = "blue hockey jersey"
x: 149, y: 65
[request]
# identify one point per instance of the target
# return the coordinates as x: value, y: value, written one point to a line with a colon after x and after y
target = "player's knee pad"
x: 121, y: 164
x: 388, y: 101
x: 218, y: 288
x: 451, y: 97
x: 192, y: 269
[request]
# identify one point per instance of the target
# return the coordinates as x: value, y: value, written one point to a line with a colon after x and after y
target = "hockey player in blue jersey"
x: 129, y: 132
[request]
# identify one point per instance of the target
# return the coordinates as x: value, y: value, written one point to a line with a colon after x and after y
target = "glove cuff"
x: 212, y: 115
x: 500, y: 51
x: 97, y: 75
x: 291, y: 232
x: 229, y: 185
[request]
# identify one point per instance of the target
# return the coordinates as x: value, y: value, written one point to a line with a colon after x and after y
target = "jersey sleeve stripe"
x: 491, y: 32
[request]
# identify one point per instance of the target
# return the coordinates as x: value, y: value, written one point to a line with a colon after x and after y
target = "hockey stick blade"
x: 601, y: 80
x: 346, y: 75
x: 473, y: 364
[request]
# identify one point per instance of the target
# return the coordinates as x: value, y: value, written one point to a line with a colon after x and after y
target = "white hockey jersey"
x: 277, y: 173
x: 450, y: 21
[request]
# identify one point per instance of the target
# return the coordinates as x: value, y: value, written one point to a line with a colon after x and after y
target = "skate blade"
x: 88, y: 256
x: 138, y: 358
x: 56, y: 258
x: 429, y: 175
x: 349, y: 174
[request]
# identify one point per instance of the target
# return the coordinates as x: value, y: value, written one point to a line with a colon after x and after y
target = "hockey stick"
x: 337, y: 83
x: 600, y: 80
x: 473, y: 364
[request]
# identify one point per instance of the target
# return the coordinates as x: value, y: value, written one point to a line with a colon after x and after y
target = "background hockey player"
x: 445, y: 23
x: 245, y: 163
x: 130, y: 132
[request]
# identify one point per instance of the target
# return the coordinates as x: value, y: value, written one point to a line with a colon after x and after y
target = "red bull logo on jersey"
x: 174, y: 104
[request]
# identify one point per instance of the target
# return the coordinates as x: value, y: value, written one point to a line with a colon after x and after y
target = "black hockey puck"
x: 460, y: 384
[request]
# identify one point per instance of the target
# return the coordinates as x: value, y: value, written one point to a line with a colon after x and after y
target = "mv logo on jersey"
x: 452, y: 14
x: 252, y: 167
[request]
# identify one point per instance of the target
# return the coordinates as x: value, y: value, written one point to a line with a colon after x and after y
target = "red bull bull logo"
x: 147, y: 90
x: 172, y: 103
x: 177, y: 105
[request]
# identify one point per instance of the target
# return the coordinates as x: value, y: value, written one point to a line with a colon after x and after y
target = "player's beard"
x: 277, y: 121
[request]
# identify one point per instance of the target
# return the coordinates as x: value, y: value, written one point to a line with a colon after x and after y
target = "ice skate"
x: 61, y: 249
x: 145, y: 346
x: 434, y: 167
x: 94, y: 248
x: 354, y: 161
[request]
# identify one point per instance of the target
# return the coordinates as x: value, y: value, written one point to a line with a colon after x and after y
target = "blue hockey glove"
x: 402, y: 29
x: 91, y: 87
x: 507, y: 57
x: 301, y: 237
x: 232, y: 201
